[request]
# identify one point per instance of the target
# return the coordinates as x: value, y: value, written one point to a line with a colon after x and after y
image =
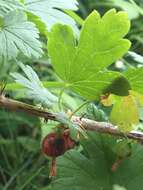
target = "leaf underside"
x: 50, y: 11
x: 19, y: 36
x: 9, y: 5
x: 35, y: 88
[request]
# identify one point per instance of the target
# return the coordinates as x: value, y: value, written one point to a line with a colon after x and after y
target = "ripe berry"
x: 55, y: 144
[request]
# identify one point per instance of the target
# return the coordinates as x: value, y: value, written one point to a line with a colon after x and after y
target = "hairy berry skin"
x: 55, y: 145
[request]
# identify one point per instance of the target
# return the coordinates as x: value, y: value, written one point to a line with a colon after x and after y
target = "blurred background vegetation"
x: 22, y: 166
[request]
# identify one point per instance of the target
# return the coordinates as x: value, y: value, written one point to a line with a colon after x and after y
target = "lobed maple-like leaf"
x: 50, y: 11
x: 83, y: 66
x: 34, y: 87
x: 9, y: 5
x: 91, y: 169
x: 17, y: 35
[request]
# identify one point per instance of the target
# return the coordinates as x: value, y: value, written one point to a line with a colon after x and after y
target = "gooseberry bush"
x: 83, y: 55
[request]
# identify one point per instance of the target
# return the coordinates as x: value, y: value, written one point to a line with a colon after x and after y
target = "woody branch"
x: 90, y: 125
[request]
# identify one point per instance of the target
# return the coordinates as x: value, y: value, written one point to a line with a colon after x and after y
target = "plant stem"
x: 20, y: 106
x: 90, y: 125
x: 82, y: 105
x: 60, y: 99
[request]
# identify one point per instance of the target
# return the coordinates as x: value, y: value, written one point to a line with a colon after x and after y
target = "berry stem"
x: 53, y: 169
x: 116, y: 164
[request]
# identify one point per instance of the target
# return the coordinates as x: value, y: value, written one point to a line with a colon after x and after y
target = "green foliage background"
x: 22, y: 166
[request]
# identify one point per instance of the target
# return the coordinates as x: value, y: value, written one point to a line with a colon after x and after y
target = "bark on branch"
x: 101, y: 127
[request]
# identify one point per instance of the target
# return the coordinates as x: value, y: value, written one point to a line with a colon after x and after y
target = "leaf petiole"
x: 82, y: 105
x: 60, y: 99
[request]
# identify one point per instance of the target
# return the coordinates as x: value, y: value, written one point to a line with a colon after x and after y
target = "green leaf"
x: 1, y: 22
x: 138, y: 97
x: 128, y: 7
x: 120, y: 86
x: 49, y: 11
x: 101, y: 40
x: 91, y: 169
x: 125, y: 114
x: 93, y: 86
x: 61, y: 38
x: 75, y: 16
x: 39, y: 24
x: 46, y: 84
x: 95, y: 113
x: 141, y: 118
x: 135, y: 78
x: 9, y: 5
x: 35, y: 88
x: 82, y: 66
x: 125, y: 111
x: 18, y: 35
